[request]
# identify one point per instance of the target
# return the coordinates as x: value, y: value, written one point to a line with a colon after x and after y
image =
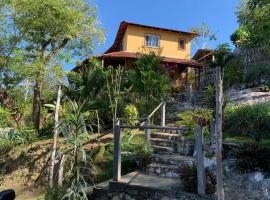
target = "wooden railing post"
x: 117, y: 152
x: 163, y: 115
x: 200, y: 161
x: 147, y: 131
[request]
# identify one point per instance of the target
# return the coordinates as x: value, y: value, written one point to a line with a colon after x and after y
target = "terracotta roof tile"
x: 125, y: 54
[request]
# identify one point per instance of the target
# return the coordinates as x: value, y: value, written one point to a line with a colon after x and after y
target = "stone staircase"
x: 171, y: 151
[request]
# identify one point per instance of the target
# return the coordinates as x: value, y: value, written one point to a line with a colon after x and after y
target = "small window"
x: 152, y: 40
x: 182, y: 44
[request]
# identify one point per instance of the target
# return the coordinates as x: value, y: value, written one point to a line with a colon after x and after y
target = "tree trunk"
x: 55, y: 135
x: 218, y: 130
x: 37, y: 104
x: 7, y: 102
x: 27, y: 85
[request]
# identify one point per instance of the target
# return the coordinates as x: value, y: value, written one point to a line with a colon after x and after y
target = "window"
x: 152, y: 40
x: 182, y: 44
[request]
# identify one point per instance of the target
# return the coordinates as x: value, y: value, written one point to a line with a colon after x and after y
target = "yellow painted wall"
x: 134, y: 37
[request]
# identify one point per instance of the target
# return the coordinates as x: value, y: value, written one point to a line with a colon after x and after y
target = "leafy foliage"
x: 131, y: 112
x: 73, y: 128
x: 187, y: 118
x: 248, y: 120
x: 254, y: 18
x: 253, y: 157
x: 210, y: 95
x: 14, y: 137
x: 234, y: 73
x: 6, y: 119
x: 149, y: 82
x: 55, y: 193
x: 205, y: 35
x: 256, y: 73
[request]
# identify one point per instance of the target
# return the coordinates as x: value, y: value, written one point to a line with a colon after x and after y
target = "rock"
x: 248, y: 96
x: 117, y: 197
x: 256, y: 177
x: 165, y: 198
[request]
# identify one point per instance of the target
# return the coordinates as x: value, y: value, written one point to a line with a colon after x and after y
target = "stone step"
x: 170, y: 171
x: 167, y: 136
x: 162, y: 150
x: 173, y: 159
x: 162, y: 142
x: 185, y: 147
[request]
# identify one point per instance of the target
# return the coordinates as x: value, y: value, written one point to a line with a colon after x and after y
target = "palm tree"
x: 220, y: 59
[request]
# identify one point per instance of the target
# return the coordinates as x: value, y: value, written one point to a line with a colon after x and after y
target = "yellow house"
x: 173, y: 45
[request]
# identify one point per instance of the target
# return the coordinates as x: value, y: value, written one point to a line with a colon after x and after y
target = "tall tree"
x: 221, y: 57
x: 254, y: 19
x: 53, y: 31
x: 11, y: 59
x: 205, y: 35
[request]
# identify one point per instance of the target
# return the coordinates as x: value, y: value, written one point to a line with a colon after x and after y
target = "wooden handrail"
x: 156, y: 109
x: 147, y: 130
x: 154, y: 127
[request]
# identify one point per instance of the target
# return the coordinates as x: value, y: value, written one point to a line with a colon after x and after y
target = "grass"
x: 245, y: 139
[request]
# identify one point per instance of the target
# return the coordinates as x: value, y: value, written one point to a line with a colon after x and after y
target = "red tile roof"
x: 131, y: 55
x: 122, y: 29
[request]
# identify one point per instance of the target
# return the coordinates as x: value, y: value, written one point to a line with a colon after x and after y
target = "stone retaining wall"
x: 131, y: 194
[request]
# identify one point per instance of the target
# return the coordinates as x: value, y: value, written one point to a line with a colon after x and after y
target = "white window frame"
x: 152, y: 42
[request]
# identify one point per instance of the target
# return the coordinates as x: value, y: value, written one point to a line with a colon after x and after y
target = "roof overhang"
x: 203, y: 54
x: 131, y: 55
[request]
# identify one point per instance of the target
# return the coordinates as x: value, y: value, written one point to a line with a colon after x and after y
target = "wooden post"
x: 55, y: 136
x: 163, y: 115
x: 190, y: 93
x: 61, y: 170
x: 147, y: 131
x: 117, y: 153
x: 218, y: 133
x: 200, y: 161
x: 102, y: 63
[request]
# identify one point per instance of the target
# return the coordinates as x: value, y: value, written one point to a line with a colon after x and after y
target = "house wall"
x: 134, y: 37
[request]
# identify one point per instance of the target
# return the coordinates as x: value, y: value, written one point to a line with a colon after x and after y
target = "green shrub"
x: 131, y: 112
x: 186, y: 118
x: 256, y: 73
x: 189, y: 179
x: 234, y: 73
x: 55, y: 194
x: 149, y: 82
x: 16, y: 137
x: 6, y: 119
x: 253, y: 157
x: 248, y: 120
x: 210, y: 95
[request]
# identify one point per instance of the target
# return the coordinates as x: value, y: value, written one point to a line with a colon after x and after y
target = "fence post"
x: 189, y: 93
x: 147, y: 131
x: 117, y: 152
x: 200, y: 161
x: 163, y: 115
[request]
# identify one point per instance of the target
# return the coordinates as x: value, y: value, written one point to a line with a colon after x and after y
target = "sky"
x: 219, y: 15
